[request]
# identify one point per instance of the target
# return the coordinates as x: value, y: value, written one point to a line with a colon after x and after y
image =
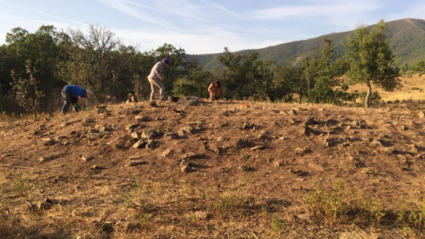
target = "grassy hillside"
x: 407, y: 39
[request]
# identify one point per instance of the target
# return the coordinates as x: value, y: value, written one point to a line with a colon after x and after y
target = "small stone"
x: 135, y: 135
x: 186, y: 130
x: 258, y: 147
x: 148, y: 134
x: 100, y: 128
x: 94, y: 167
x: 140, y: 118
x: 243, y: 168
x: 201, y: 215
x: 135, y: 163
x: 421, y: 114
x: 171, y: 135
x: 186, y: 169
x: 240, y: 143
x: 220, y: 139
x: 388, y: 150
x: 132, y: 127
x: 167, y: 152
x: 87, y: 157
x: 140, y: 144
x: 277, y: 164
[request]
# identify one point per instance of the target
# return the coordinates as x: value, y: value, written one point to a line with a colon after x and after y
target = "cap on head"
x: 89, y: 93
x: 166, y: 60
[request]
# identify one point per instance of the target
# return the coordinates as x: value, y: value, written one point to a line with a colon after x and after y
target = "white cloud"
x: 312, y: 11
x: 221, y: 7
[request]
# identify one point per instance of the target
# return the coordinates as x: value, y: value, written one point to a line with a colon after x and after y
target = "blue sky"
x: 206, y: 26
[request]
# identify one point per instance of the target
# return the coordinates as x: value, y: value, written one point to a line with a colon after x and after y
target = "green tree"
x: 418, y: 66
x: 371, y: 59
x: 241, y: 74
x: 45, y: 49
x: 404, y: 67
x: 91, y: 58
x: 26, y: 91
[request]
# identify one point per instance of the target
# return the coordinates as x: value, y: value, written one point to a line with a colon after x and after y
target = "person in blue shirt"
x: 74, y: 94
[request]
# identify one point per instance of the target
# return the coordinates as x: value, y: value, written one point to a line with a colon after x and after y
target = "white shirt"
x: 156, y: 72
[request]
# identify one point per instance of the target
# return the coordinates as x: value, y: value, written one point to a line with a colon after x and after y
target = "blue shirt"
x: 75, y: 91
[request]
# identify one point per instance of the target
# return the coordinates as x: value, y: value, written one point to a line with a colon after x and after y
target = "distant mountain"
x: 407, y: 41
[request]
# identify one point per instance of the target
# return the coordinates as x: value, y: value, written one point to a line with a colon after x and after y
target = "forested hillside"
x: 406, y: 38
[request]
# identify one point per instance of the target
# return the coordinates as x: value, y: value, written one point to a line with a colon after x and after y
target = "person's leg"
x: 67, y: 101
x: 157, y: 83
x: 153, y: 90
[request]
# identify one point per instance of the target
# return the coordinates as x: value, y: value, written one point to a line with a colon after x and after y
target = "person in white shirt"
x: 155, y: 78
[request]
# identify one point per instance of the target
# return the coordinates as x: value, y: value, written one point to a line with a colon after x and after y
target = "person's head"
x: 88, y: 93
x: 165, y: 61
x: 217, y: 83
x: 133, y: 98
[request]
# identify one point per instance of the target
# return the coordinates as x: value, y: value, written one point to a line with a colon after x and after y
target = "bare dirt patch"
x: 214, y: 171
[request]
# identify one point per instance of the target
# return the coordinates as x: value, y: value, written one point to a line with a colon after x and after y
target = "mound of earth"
x: 204, y: 170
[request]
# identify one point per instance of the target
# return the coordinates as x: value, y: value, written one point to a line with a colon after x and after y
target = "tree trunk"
x: 369, y: 91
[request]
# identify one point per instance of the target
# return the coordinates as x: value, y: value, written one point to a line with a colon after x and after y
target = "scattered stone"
x: 101, y: 109
x: 316, y: 166
x: 258, y: 147
x: 201, y: 215
x: 302, y: 151
x: 421, y: 114
x: 303, y: 216
x: 220, y: 139
x: 92, y: 136
x: 244, y: 168
x: 151, y: 144
x: 132, y: 127
x: 140, y: 144
x: 135, y: 157
x: 171, y: 135
x: 140, y: 118
x: 95, y: 167
x: 186, y: 130
x: 87, y: 157
x: 240, y: 143
x: 283, y: 138
x: 44, y: 159
x: 388, y: 150
x: 167, y: 152
x: 293, y: 112
x: 248, y: 125
x: 93, y: 130
x: 404, y: 127
x: 310, y: 121
x: 135, y: 163
x: 159, y: 118
x: 277, y: 164
x: 135, y: 135
x: 307, y: 130
x: 100, y: 128
x: 191, y: 156
x: 148, y: 134
x: 88, y: 120
x: 186, y: 169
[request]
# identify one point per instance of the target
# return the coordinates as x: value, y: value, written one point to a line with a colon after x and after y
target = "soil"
x: 80, y: 175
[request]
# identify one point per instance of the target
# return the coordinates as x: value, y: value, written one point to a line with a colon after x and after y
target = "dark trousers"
x: 68, y: 99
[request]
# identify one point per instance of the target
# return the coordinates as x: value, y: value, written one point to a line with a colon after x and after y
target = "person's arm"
x: 82, y: 102
x: 158, y: 71
x: 210, y: 89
